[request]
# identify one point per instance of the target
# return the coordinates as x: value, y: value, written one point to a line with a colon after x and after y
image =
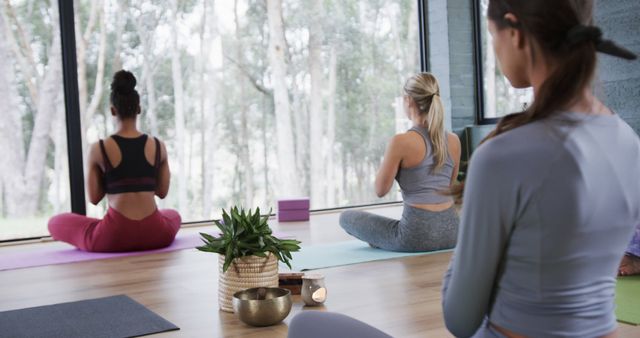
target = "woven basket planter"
x: 245, y: 273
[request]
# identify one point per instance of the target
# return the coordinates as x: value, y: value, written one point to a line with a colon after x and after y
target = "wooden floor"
x: 400, y: 297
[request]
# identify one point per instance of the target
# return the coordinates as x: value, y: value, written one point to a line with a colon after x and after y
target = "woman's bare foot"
x: 630, y: 265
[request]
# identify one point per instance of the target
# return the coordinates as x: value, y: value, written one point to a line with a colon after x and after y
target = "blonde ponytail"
x: 434, y: 121
x: 423, y: 88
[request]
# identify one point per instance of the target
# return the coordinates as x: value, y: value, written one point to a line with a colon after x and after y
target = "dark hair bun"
x: 123, y: 82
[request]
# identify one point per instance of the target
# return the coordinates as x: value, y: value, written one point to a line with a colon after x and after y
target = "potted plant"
x: 248, y: 253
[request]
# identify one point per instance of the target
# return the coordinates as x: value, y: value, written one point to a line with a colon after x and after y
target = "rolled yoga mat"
x: 110, y: 317
x: 344, y: 253
x: 628, y: 300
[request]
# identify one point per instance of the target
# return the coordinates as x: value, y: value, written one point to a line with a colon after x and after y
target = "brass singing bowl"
x: 262, y: 306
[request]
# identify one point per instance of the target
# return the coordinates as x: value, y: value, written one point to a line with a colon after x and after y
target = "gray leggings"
x: 417, y: 230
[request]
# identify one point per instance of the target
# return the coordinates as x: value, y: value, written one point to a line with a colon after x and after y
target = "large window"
x: 255, y: 99
x: 34, y: 179
x: 499, y: 97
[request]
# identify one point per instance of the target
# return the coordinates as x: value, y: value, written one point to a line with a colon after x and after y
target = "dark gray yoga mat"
x: 110, y: 317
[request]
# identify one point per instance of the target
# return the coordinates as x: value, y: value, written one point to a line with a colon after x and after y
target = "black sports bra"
x: 134, y: 173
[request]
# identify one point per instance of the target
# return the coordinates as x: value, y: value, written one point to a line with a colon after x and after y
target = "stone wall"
x: 618, y: 82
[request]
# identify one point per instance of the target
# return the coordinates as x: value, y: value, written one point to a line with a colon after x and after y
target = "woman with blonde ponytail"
x: 424, y: 160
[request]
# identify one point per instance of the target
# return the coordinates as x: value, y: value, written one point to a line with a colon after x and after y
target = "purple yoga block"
x: 294, y: 204
x: 293, y: 215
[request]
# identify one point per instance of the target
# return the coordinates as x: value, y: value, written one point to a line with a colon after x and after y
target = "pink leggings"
x: 115, y: 232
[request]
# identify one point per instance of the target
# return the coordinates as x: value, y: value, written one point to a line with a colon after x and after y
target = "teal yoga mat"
x: 344, y: 253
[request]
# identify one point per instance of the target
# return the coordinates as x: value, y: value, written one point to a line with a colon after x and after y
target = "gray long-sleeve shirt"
x: 547, y: 213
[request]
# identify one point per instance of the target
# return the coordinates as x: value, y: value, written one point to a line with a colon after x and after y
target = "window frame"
x: 72, y: 106
x: 423, y: 27
x: 480, y: 118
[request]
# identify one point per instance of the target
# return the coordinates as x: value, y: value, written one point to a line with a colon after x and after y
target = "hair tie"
x: 581, y: 33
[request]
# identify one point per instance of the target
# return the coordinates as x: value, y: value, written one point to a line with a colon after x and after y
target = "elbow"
x: 458, y: 332
x: 458, y: 325
x: 95, y: 195
x: 162, y: 189
x: 161, y: 194
x: 95, y: 200
x: 456, y: 329
x: 381, y: 190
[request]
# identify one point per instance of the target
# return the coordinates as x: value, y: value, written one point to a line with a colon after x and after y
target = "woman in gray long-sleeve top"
x: 552, y: 198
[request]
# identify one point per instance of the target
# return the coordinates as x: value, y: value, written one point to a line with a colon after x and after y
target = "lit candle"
x: 314, y: 291
x: 319, y: 295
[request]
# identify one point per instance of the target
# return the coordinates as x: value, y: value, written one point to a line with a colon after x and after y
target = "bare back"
x: 133, y: 205
x: 408, y: 150
x: 416, y: 153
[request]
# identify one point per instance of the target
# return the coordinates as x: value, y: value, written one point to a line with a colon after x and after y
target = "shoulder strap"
x: 105, y: 158
x: 158, y: 153
x: 422, y: 131
x: 425, y: 137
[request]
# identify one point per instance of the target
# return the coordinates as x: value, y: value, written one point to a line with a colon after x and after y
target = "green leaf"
x: 229, y: 251
x: 218, y: 224
x: 227, y: 263
x: 208, y: 237
x: 289, y: 265
x: 246, y: 233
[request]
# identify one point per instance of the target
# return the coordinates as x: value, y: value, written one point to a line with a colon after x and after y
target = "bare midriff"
x: 133, y: 205
x: 433, y: 207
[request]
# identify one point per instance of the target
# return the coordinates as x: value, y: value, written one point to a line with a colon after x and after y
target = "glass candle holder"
x: 314, y: 292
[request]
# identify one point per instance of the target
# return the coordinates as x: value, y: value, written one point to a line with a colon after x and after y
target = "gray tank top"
x: 420, y: 184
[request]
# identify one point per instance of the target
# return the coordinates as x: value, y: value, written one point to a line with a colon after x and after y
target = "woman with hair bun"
x: 130, y: 169
x: 424, y: 161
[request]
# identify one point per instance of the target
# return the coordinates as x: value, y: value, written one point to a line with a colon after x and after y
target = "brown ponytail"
x: 547, y: 22
x: 561, y: 29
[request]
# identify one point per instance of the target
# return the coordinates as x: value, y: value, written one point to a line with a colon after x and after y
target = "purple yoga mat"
x: 57, y: 255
